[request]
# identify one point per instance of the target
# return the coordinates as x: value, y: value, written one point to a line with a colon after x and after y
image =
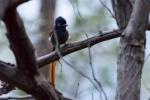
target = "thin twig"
x: 146, y: 58
x: 76, y: 12
x: 81, y: 73
x: 92, y: 96
x: 60, y: 65
x: 93, y: 73
x: 77, y: 70
x: 107, y: 9
x: 76, y: 90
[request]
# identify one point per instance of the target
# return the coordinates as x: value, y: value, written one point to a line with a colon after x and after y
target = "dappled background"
x: 83, y: 17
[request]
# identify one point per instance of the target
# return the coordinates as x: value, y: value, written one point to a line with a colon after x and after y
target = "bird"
x: 58, y: 36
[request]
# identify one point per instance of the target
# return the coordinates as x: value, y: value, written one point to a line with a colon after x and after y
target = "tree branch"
x: 25, y: 75
x: 18, y: 98
x: 7, y: 71
x: 72, y: 47
x: 19, y: 42
x: 4, y: 4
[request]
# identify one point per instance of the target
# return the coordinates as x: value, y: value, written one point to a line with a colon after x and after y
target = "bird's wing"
x: 50, y: 35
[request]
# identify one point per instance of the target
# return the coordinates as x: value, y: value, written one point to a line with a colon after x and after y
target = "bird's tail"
x: 52, y: 72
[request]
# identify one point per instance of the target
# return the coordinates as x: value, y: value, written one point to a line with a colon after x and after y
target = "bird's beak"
x: 65, y: 25
x: 62, y: 25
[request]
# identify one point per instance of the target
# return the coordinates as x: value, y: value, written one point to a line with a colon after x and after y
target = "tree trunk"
x: 132, y: 46
x: 46, y: 24
x: 122, y: 10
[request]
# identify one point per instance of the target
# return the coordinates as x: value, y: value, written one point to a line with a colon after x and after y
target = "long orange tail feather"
x: 52, y: 72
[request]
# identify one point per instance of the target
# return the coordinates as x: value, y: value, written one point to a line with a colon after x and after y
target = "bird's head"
x: 60, y: 21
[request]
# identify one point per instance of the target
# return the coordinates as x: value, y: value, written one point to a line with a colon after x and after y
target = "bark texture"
x: 131, y: 57
x: 122, y: 10
x: 24, y: 74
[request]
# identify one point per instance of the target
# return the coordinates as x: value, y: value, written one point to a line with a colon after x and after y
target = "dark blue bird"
x: 60, y: 31
x: 62, y: 37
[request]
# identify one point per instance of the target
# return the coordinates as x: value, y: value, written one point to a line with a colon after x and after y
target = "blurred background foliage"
x: 83, y: 17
